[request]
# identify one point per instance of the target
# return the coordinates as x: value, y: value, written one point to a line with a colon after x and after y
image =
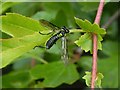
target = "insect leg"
x: 45, y: 34
x: 39, y: 47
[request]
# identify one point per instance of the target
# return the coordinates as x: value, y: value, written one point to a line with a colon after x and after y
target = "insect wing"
x: 64, y: 56
x: 49, y: 25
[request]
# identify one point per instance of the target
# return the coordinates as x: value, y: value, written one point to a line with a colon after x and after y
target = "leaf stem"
x: 76, y: 30
x: 94, y: 63
x: 71, y: 31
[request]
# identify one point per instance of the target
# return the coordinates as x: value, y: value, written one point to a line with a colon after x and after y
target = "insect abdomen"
x: 51, y: 41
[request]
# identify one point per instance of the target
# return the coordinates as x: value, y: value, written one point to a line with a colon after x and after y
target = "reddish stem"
x: 94, y: 64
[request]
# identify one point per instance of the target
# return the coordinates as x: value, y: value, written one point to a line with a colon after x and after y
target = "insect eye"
x: 65, y: 29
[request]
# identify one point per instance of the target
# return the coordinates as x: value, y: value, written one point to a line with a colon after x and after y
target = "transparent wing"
x: 64, y: 55
x: 49, y: 25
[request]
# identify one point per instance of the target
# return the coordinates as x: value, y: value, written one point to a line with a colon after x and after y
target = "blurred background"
x: 61, y: 14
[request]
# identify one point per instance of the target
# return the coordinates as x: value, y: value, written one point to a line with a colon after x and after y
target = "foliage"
x: 25, y: 36
x: 88, y: 76
x: 107, y: 69
x: 52, y: 78
x: 25, y: 67
x: 86, y: 39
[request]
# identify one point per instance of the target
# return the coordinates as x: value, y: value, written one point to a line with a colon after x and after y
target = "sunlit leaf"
x: 89, y: 27
x: 98, y: 79
x: 25, y: 32
x: 85, y: 42
x: 17, y: 25
x: 87, y: 78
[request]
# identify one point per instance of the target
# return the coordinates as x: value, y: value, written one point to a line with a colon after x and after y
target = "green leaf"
x: 85, y: 42
x: 98, y: 80
x: 16, y: 80
x: 54, y: 74
x: 15, y: 47
x: 26, y: 36
x: 17, y: 25
x: 89, y: 27
x: 88, y: 77
x: 99, y: 42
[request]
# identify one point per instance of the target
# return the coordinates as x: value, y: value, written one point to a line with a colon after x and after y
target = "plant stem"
x: 94, y: 63
x: 76, y: 30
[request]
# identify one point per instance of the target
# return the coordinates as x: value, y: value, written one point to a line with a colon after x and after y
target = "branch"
x: 115, y: 16
x: 94, y: 63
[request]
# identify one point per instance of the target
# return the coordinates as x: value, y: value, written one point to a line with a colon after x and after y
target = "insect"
x: 63, y: 31
x: 57, y: 36
x: 61, y: 34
